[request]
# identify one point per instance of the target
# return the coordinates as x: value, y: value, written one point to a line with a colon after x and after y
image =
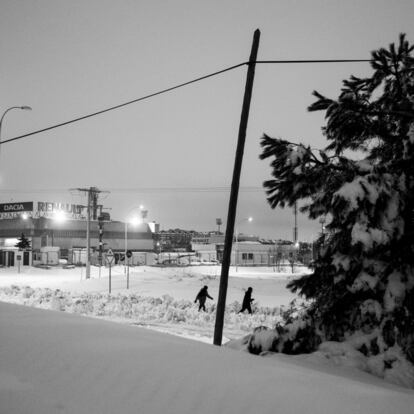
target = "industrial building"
x: 59, y: 231
x: 252, y: 251
x: 64, y: 227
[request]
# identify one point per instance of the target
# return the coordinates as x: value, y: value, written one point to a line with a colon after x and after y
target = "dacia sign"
x: 16, y: 207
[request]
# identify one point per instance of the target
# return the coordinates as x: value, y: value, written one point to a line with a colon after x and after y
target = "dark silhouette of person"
x: 247, y: 300
x: 202, y: 297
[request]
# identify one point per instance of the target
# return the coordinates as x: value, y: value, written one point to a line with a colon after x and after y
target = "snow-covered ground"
x: 56, y: 362
x: 158, y: 298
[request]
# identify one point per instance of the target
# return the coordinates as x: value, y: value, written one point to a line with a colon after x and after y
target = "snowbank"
x: 164, y: 313
x: 390, y: 365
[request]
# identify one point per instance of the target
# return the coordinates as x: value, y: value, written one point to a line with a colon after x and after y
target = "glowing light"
x: 135, y: 221
x: 25, y: 216
x: 10, y: 242
x: 59, y: 216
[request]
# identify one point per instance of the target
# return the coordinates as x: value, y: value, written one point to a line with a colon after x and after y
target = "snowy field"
x: 60, y: 362
x: 157, y: 298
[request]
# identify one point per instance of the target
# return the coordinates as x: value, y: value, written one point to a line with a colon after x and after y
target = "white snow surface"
x: 357, y: 190
x: 158, y: 298
x: 60, y: 362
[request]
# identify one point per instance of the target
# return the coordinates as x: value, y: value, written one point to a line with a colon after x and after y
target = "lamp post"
x: 24, y: 108
x: 249, y: 219
x: 24, y: 216
x: 159, y: 246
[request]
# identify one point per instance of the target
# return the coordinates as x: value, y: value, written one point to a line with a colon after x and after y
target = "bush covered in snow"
x: 296, y: 336
x: 142, y: 310
x: 363, y: 279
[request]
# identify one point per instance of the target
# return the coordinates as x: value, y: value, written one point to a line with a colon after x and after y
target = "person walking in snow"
x: 202, y: 297
x: 247, y: 300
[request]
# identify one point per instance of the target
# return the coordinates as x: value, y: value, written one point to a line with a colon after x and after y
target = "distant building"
x: 52, y: 239
x: 256, y: 253
x: 207, y: 238
x: 69, y: 235
x: 173, y: 240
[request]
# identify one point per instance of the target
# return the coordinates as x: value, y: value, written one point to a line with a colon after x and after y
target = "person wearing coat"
x: 247, y: 300
x: 202, y: 297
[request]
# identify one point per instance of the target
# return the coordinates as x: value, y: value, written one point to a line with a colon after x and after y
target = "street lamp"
x: 248, y: 219
x: 159, y: 249
x: 24, y: 108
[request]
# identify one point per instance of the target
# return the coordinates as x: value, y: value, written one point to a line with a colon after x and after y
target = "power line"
x: 143, y: 190
x: 316, y: 61
x: 180, y: 86
x: 124, y: 104
x: 159, y: 190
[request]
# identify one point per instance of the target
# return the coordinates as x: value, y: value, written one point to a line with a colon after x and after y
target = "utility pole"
x: 92, y: 204
x: 231, y: 215
x: 88, y: 236
x: 95, y: 206
x: 100, y: 241
x: 295, y: 228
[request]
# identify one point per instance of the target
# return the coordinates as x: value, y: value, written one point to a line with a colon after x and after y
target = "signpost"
x: 109, y: 259
x: 18, y: 258
x: 128, y: 256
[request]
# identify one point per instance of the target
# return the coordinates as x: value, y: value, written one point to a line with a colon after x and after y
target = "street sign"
x: 109, y: 257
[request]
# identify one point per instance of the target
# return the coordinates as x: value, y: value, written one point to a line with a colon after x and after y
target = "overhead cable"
x: 180, y: 86
x: 146, y: 190
x: 123, y: 104
x: 316, y: 61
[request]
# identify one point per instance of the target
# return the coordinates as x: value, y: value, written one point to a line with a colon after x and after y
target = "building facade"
x: 257, y: 253
x: 43, y: 229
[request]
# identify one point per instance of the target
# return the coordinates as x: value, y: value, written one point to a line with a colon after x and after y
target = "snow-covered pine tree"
x: 363, y: 281
x: 23, y: 243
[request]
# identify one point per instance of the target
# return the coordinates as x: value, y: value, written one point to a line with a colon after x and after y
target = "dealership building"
x: 63, y: 228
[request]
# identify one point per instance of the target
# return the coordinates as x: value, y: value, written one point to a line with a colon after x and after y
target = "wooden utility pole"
x: 92, y: 204
x: 231, y: 215
x: 88, y: 234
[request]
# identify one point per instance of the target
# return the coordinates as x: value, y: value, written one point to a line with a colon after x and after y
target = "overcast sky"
x: 173, y: 153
